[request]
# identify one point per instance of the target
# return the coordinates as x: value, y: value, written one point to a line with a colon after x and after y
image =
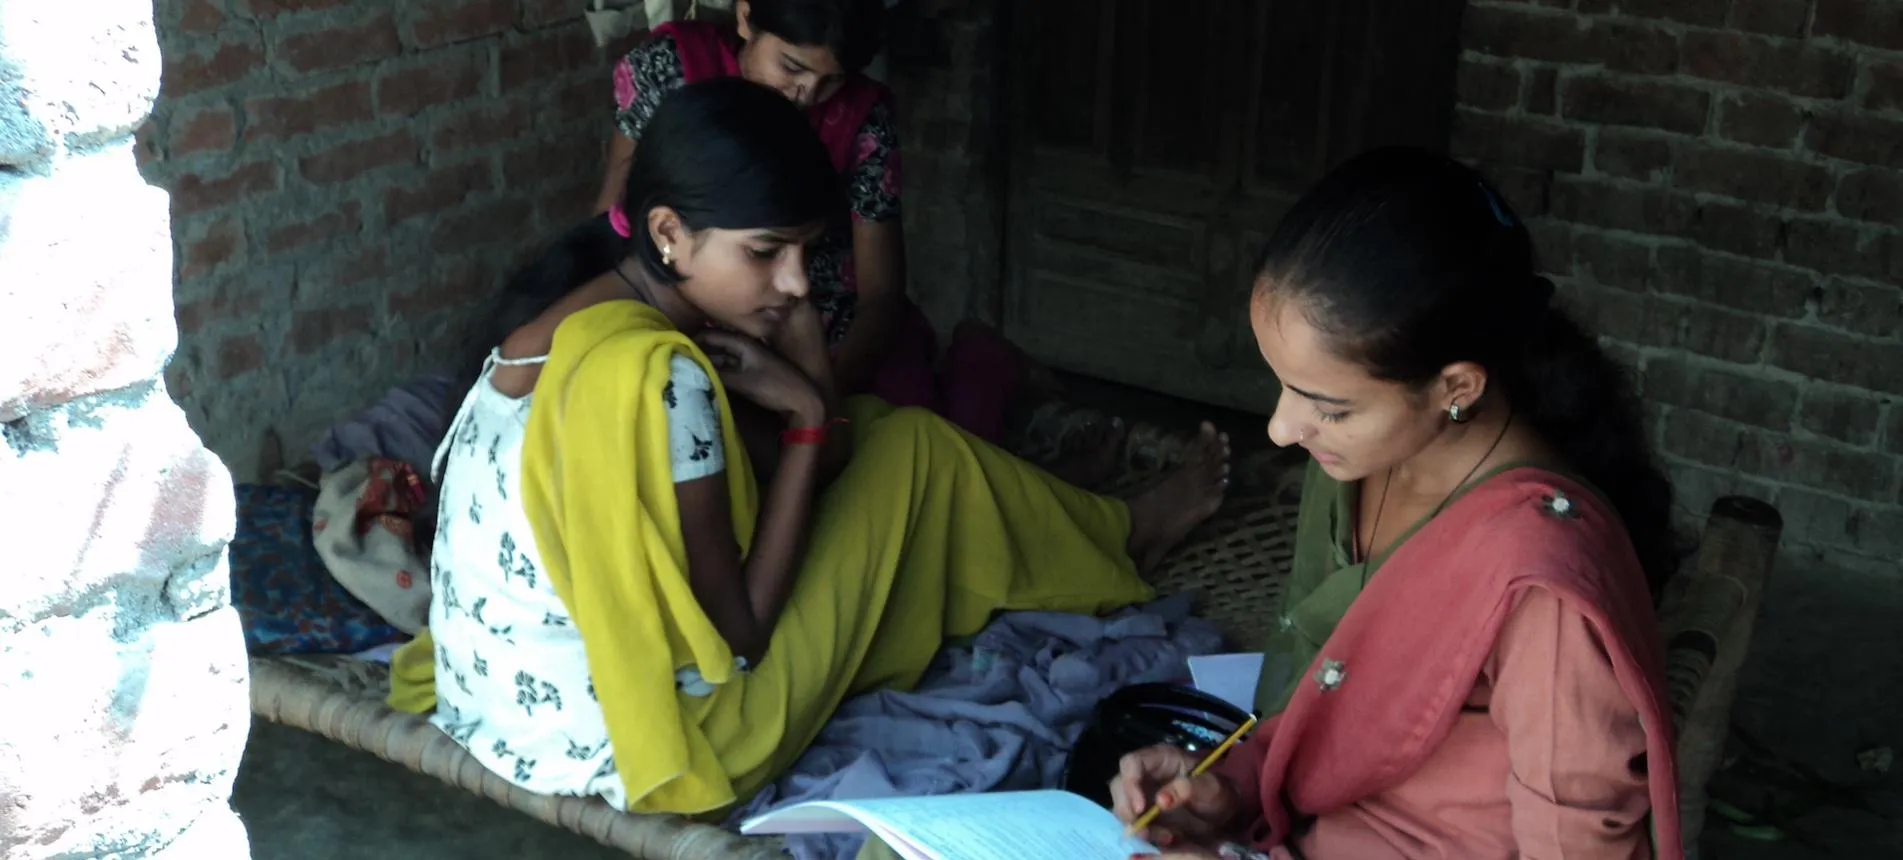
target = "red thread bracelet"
x: 808, y: 435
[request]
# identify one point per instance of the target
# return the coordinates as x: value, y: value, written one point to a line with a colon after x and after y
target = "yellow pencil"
x: 1147, y: 818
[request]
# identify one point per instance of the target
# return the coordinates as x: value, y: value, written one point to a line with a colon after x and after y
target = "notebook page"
x: 1033, y: 825
x: 1229, y: 677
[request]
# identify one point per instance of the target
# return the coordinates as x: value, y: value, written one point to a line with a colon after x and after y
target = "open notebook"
x: 1022, y: 825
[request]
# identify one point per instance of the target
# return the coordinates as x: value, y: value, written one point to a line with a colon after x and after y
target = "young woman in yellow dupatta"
x: 619, y: 609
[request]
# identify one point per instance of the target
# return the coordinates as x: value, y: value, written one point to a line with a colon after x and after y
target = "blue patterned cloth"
x: 289, y: 603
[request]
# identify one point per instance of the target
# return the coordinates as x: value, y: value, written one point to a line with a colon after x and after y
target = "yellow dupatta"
x: 598, y: 491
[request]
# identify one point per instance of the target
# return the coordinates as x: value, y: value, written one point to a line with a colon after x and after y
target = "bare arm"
x: 878, y: 252
x: 620, y: 158
x: 802, y: 341
x: 744, y: 598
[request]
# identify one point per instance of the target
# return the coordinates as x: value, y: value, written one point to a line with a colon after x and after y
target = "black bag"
x: 1141, y: 716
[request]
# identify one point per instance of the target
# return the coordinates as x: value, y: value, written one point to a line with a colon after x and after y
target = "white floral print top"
x: 512, y: 680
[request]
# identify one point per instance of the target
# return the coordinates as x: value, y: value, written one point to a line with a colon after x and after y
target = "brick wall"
x: 1719, y: 185
x: 345, y: 176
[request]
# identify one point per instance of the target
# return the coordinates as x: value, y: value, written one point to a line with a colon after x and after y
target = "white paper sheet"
x: 1023, y: 825
x: 1229, y: 677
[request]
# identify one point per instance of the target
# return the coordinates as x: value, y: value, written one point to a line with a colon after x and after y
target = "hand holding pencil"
x: 1166, y: 794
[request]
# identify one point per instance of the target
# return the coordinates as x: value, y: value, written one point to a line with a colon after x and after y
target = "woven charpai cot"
x: 1237, y: 562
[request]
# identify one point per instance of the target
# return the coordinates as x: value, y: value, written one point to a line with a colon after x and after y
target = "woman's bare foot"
x: 1164, y: 514
x: 1091, y: 454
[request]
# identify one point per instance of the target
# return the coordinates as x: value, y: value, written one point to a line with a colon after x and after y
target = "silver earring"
x: 1459, y: 414
x: 667, y: 255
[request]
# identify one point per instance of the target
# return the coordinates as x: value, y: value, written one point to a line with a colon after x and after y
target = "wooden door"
x: 1155, y: 144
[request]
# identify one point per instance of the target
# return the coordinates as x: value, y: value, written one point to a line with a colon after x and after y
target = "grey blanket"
x: 998, y: 715
x: 406, y: 425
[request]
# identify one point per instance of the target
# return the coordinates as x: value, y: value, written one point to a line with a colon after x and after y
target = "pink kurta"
x: 1496, y: 691
x: 1539, y: 765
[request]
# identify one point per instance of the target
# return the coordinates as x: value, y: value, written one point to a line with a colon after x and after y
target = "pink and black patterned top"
x: 857, y: 125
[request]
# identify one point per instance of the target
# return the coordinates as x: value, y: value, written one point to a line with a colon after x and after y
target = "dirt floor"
x: 1824, y: 682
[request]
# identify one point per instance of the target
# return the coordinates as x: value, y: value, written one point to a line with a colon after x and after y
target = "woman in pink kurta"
x: 1482, y: 534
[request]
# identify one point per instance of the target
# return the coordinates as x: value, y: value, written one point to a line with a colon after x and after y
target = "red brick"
x: 1819, y: 465
x: 1752, y: 176
x: 1646, y: 104
x: 200, y: 17
x: 577, y: 102
x: 1542, y: 92
x: 267, y: 9
x: 1612, y: 261
x: 221, y: 242
x: 1759, y: 119
x: 1632, y: 154
x: 239, y: 355
x: 284, y: 117
x: 488, y: 225
x: 1832, y: 356
x: 209, y: 129
x: 1624, y: 316
x: 1862, y: 308
x: 1717, y: 333
x: 1741, y: 397
x: 1886, y: 86
x: 1784, y: 18
x: 1710, y: 13
x: 315, y: 328
x: 562, y: 206
x: 1755, y: 61
x: 1634, y: 46
x: 342, y: 221
x: 1737, y: 229
x: 347, y: 161
x: 339, y: 46
x: 446, y: 21
x: 1871, y: 22
x: 537, y: 14
x: 1487, y: 85
x: 549, y: 157
x: 452, y: 287
x: 1835, y: 248
x: 342, y: 273
x: 440, y: 189
x: 1553, y: 241
x: 481, y: 125
x: 1871, y: 194
x: 1518, y: 141
x: 1525, y: 33
x: 1557, y: 37
x: 1620, y: 207
x: 230, y: 60
x: 194, y: 192
x: 1845, y: 415
x: 1752, y: 286
x: 435, y: 78
x: 547, y: 54
x: 224, y: 302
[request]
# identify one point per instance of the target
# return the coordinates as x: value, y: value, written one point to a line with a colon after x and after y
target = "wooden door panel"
x: 1154, y: 145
